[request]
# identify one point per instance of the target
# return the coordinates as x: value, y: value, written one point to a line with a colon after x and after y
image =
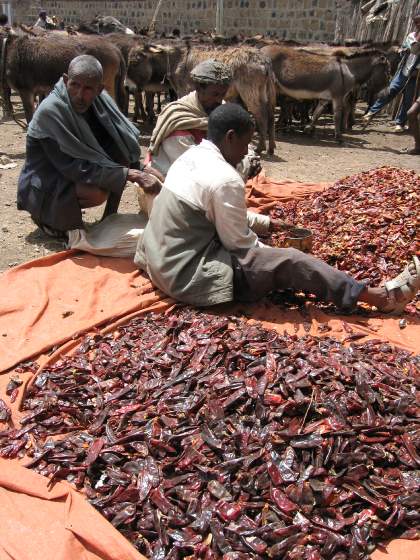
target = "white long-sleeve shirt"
x: 198, y: 222
x: 221, y: 196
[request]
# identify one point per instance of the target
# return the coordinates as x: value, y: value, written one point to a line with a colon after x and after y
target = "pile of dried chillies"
x: 206, y: 437
x: 366, y: 224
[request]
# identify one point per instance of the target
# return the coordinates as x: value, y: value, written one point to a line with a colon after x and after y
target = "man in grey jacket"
x: 201, y: 247
x: 80, y: 152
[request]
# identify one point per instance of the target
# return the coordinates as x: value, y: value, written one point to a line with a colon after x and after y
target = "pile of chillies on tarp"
x: 208, y: 437
x: 366, y: 225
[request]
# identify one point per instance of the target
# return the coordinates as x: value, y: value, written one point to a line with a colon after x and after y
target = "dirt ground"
x: 297, y: 157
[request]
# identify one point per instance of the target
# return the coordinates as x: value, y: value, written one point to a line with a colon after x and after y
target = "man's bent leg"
x: 395, y: 87
x: 89, y: 196
x: 261, y: 270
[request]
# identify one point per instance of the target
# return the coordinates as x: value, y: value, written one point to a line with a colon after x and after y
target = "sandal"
x: 408, y: 283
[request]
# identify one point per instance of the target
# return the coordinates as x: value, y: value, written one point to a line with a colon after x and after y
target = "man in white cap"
x: 183, y: 123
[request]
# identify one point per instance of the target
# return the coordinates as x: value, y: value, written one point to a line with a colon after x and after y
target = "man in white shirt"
x: 201, y: 247
x: 42, y: 20
x: 403, y: 81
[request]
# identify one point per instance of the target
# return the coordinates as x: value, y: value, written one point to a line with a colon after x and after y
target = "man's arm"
x: 227, y: 210
x: 259, y: 223
x: 175, y: 145
x: 83, y: 171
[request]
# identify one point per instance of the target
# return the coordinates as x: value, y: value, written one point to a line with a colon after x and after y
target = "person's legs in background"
x: 413, y: 120
x: 395, y: 87
x: 406, y: 103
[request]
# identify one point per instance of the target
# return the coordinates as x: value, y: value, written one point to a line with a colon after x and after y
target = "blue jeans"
x: 395, y: 87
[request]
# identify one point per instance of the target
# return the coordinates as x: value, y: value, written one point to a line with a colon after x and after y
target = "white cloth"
x: 116, y: 236
x: 170, y: 149
x: 41, y: 23
x: 174, y: 146
x: 219, y: 194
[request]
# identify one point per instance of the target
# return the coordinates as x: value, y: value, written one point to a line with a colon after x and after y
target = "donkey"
x: 34, y: 64
x: 102, y: 25
x: 149, y: 68
x: 328, y: 75
x: 253, y: 83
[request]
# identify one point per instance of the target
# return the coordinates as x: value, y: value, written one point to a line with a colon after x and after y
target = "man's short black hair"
x: 4, y: 20
x: 228, y: 116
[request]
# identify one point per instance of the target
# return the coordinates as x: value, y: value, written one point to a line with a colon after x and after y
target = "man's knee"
x: 90, y: 195
x: 414, y: 111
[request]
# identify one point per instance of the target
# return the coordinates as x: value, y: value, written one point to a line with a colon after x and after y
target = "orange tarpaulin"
x: 52, y: 301
x: 41, y: 523
x: 47, y: 301
x: 262, y: 193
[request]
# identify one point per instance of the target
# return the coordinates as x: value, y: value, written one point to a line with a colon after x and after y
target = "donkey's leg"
x: 319, y: 109
x: 261, y: 120
x: 6, y: 102
x: 256, y: 102
x: 138, y: 106
x: 150, y: 102
x: 271, y: 108
x: 126, y: 100
x: 350, y: 102
x: 109, y: 80
x: 28, y: 102
x: 338, y: 117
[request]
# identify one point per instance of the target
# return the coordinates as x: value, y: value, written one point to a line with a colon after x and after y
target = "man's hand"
x: 279, y: 225
x: 254, y: 166
x: 156, y: 173
x: 150, y: 183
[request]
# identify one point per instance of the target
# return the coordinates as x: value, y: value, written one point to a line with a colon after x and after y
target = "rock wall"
x: 288, y: 19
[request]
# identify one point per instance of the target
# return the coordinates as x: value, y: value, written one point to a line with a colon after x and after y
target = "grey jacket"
x: 198, y: 221
x: 194, y: 268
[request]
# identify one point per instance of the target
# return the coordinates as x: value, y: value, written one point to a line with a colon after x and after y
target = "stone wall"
x: 288, y: 19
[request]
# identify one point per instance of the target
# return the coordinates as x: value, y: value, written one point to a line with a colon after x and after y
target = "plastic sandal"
x: 408, y: 283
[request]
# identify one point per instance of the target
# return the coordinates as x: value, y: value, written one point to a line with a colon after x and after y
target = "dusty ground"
x: 297, y: 156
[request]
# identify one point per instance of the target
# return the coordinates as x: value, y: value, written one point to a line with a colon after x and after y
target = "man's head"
x: 416, y: 19
x: 4, y: 20
x: 84, y: 81
x: 211, y: 80
x: 43, y: 14
x: 231, y: 128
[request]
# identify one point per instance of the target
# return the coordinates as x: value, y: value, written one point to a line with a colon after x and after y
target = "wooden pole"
x: 219, y: 17
x: 155, y: 15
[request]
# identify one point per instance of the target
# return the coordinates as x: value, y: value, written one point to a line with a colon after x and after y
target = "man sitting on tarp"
x: 198, y: 247
x: 183, y: 123
x: 80, y: 152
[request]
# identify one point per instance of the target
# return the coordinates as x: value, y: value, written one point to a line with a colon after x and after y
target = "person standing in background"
x: 404, y: 79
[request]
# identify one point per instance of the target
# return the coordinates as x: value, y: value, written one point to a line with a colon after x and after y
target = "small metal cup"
x: 299, y: 238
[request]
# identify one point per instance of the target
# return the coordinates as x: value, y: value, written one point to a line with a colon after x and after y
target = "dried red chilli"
x: 206, y: 437
x: 366, y: 224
